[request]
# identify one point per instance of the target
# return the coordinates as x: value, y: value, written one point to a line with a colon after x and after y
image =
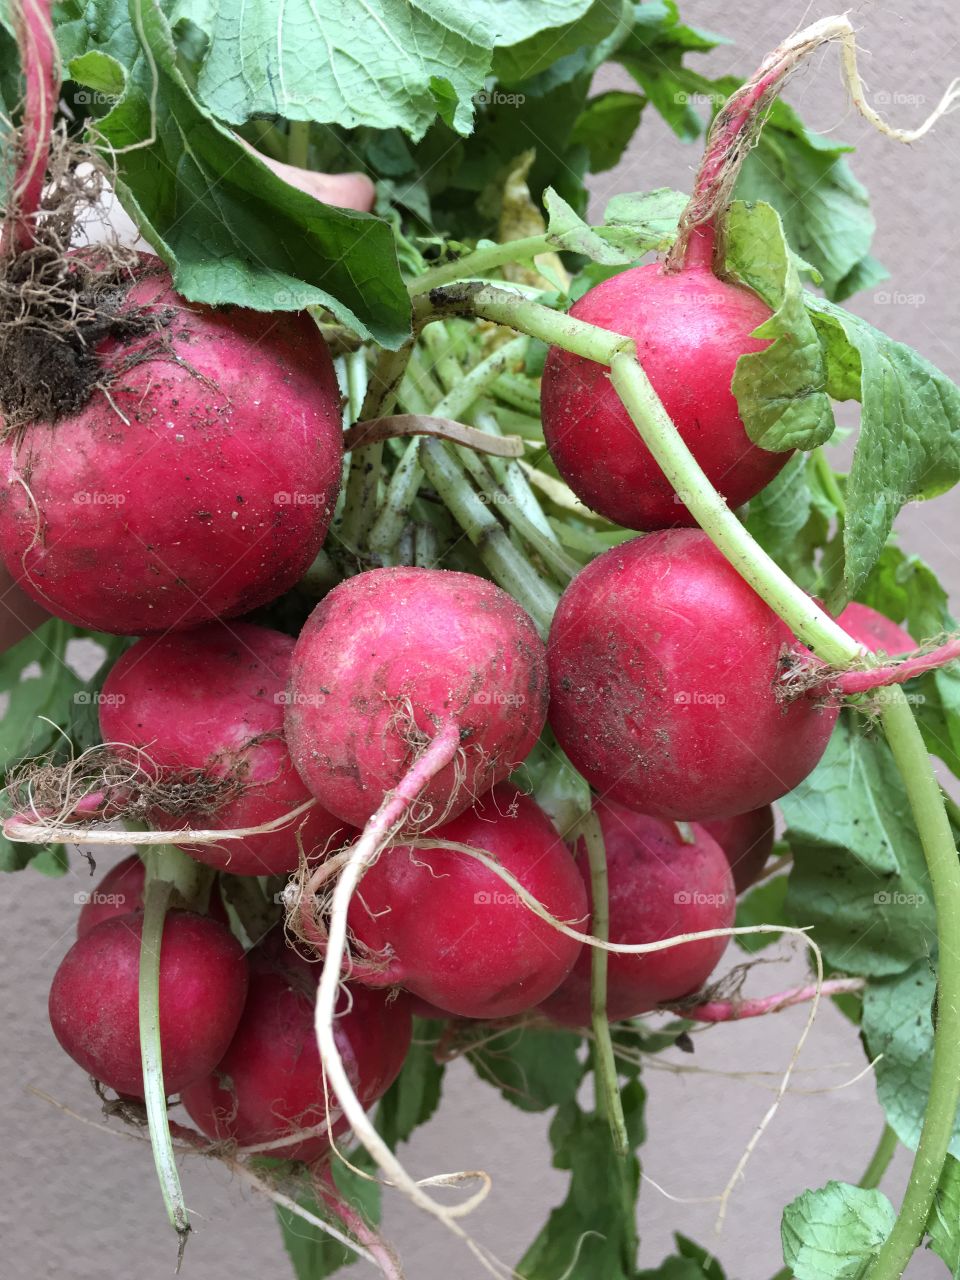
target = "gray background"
x: 76, y: 1202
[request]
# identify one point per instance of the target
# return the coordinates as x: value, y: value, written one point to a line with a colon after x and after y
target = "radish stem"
x: 38, y: 54
x: 605, y: 1066
x: 157, y: 894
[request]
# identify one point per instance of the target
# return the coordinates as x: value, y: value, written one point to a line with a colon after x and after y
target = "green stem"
x: 880, y: 1160
x: 401, y: 491
x: 479, y: 262
x: 506, y: 565
x: 828, y: 479
x: 517, y: 392
x: 508, y: 308
x: 157, y: 894
x: 605, y: 1065
x: 469, y: 387
x: 363, y: 481
x: 298, y: 143
x: 933, y: 826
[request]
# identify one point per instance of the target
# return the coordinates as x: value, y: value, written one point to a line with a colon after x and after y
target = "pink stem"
x: 38, y: 54
x: 850, y: 682
x: 355, y: 1223
x: 734, y: 1010
x: 726, y: 149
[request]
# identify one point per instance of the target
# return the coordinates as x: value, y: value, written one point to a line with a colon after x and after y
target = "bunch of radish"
x: 335, y: 818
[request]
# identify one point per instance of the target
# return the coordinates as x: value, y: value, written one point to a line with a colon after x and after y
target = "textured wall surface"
x: 77, y: 1203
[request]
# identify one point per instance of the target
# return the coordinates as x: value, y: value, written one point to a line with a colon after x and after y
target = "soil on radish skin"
x: 59, y: 305
x: 55, y: 314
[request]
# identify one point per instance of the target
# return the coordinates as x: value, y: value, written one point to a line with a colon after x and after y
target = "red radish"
x: 747, y: 840
x: 659, y: 887
x: 665, y: 677
x: 121, y: 891
x: 269, y: 1084
x: 690, y: 328
x: 94, y: 1005
x: 451, y: 931
x: 390, y: 657
x: 874, y: 630
x: 213, y: 699
x: 195, y: 480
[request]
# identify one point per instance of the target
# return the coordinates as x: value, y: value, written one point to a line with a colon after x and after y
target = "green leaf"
x: 898, y: 1022
x: 379, y: 63
x: 765, y: 904
x: 944, y: 1223
x: 313, y: 1252
x: 594, y: 1225
x: 834, y: 1232
x: 909, y: 442
x: 653, y: 53
x: 859, y: 874
x: 708, y: 1264
x: 415, y: 1094
x: 606, y: 125
x: 825, y: 210
x: 780, y: 390
x: 534, y: 1069
x: 643, y: 222
x: 791, y: 518
x: 532, y: 37
x: 230, y: 230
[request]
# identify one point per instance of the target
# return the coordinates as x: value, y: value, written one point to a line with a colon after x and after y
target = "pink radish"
x: 269, y: 1084
x: 203, y: 986
x: 390, y: 657
x: 450, y: 930
x: 660, y: 886
x: 666, y: 683
x: 690, y: 328
x: 747, y: 840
